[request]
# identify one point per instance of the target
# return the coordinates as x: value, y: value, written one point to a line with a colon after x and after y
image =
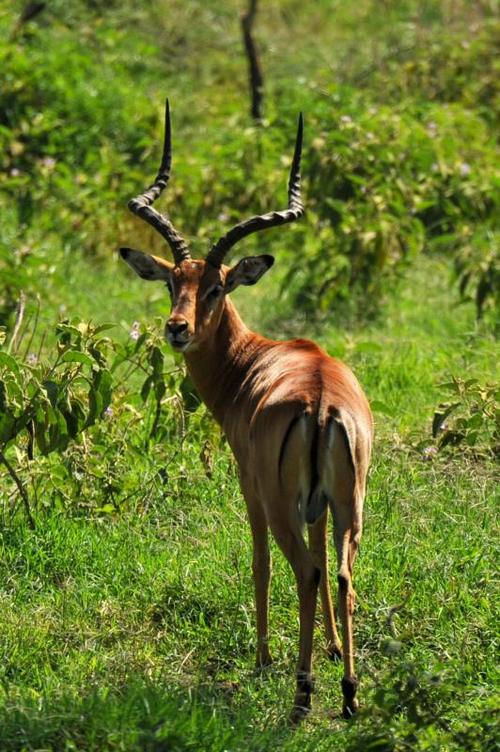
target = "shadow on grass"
x: 140, y: 715
x: 405, y: 710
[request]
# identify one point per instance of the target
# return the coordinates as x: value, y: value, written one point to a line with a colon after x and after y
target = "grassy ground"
x: 137, y: 632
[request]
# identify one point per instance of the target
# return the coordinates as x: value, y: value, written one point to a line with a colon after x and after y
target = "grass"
x: 135, y: 631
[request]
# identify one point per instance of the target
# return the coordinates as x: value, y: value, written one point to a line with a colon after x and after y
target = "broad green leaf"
x: 9, y: 362
x: 475, y: 421
x: 75, y: 356
x: 103, y: 328
x: 39, y: 427
x: 104, y: 384
x: 146, y: 388
x: 440, y: 416
x: 7, y: 428
x: 52, y: 390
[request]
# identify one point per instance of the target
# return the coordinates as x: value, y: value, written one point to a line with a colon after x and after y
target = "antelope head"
x: 198, y: 287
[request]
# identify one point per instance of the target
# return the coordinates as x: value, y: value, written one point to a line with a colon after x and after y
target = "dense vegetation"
x: 125, y: 578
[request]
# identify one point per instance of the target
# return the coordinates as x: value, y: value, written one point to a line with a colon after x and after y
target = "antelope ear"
x: 146, y: 266
x: 248, y: 271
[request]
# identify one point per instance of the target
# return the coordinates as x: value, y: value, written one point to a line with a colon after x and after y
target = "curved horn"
x: 141, y: 205
x: 272, y: 219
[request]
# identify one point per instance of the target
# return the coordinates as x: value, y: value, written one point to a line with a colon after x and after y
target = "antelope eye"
x: 214, y: 292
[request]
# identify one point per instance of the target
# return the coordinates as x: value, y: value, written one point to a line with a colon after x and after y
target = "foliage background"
x: 127, y: 619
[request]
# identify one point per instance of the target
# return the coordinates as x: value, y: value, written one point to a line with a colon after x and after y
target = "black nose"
x: 176, y: 326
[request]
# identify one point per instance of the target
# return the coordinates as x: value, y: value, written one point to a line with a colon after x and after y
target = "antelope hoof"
x: 348, y: 711
x: 351, y: 705
x: 299, y: 712
x: 302, y: 702
x: 334, y: 653
x: 263, y: 660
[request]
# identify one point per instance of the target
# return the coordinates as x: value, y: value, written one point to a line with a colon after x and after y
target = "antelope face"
x: 197, y: 291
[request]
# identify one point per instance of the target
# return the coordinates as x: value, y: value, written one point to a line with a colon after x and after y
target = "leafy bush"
x: 471, y: 419
x: 49, y: 404
x: 70, y: 136
x: 25, y: 266
x: 459, y: 65
x: 384, y: 185
x: 66, y: 423
x: 477, y: 267
x: 410, y: 709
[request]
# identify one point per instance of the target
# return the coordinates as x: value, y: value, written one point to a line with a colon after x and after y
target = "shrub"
x: 471, y: 419
x: 410, y: 709
x: 477, y: 267
x: 73, y: 424
x: 454, y: 65
x: 384, y: 185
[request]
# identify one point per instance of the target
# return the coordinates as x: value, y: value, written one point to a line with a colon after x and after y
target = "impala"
x: 296, y: 419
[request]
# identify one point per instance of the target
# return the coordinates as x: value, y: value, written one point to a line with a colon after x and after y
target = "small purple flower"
x: 108, y: 412
x: 134, y: 332
x: 49, y: 162
x: 15, y: 172
x: 464, y: 169
x: 31, y: 359
x: 429, y: 453
x: 345, y: 119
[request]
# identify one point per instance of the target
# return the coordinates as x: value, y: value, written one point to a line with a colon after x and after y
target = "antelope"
x: 296, y: 419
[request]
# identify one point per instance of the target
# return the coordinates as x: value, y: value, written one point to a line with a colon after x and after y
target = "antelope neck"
x: 218, y: 366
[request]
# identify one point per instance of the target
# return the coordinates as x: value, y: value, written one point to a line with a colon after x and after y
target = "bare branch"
x: 19, y: 320
x: 30, y: 11
x: 255, y: 77
x: 20, y: 487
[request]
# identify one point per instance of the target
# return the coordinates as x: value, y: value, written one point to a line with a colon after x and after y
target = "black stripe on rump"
x: 317, y: 500
x: 314, y: 463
